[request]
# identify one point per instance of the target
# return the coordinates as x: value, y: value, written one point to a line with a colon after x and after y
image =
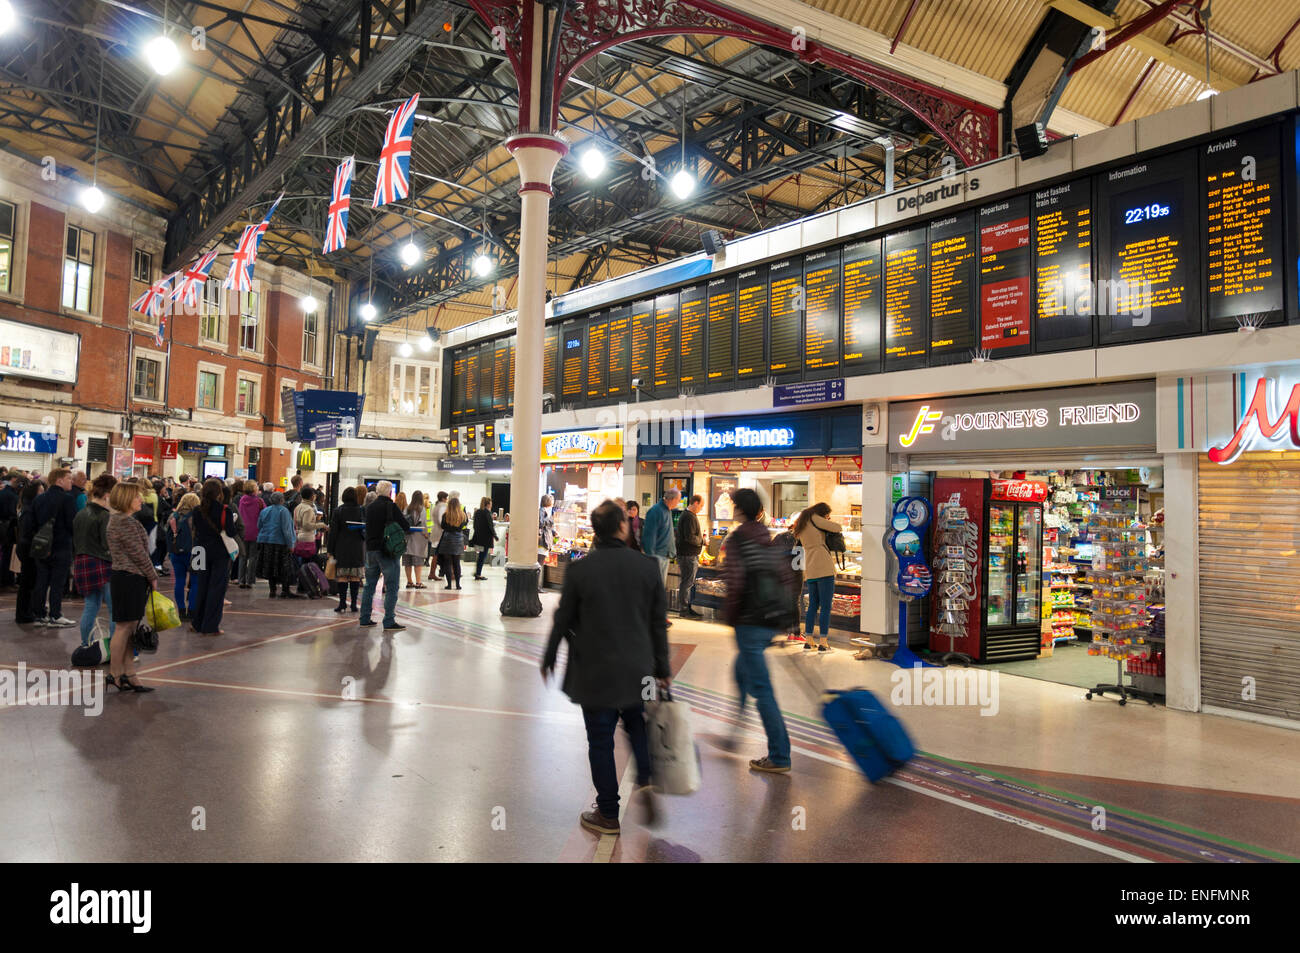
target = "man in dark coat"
x: 690, y: 543
x: 8, y: 526
x: 56, y: 504
x: 614, y: 613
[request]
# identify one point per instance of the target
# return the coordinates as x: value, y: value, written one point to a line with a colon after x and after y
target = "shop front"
x: 792, y: 460
x: 580, y: 469
x: 204, y: 460
x: 29, y: 448
x: 1047, y: 542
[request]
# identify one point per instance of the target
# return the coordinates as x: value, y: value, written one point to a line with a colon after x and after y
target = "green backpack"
x: 394, y: 540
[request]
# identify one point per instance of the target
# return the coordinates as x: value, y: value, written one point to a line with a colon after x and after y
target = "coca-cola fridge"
x: 1004, y: 616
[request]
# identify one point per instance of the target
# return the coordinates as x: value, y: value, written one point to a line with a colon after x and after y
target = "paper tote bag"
x: 674, y: 759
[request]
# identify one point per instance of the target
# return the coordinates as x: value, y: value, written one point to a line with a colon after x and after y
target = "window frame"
x: 219, y: 372
x: 215, y: 311
x: 312, y: 360
x: 136, y: 253
x: 13, y: 287
x: 64, y: 260
x: 245, y: 377
x: 418, y: 366
x: 159, y: 358
x: 258, y: 322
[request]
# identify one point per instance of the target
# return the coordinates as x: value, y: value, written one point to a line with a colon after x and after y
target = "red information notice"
x: 1004, y: 284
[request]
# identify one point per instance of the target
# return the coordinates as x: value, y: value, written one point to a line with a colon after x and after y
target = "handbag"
x: 331, y: 568
x: 144, y: 638
x: 674, y: 757
x: 835, y: 544
x: 232, y: 547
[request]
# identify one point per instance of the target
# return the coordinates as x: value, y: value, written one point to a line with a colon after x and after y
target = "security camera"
x: 636, y: 382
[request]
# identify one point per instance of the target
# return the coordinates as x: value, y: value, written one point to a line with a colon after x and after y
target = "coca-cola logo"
x: 1019, y: 490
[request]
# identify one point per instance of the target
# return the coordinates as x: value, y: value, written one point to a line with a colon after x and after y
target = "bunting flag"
x: 336, y: 228
x: 242, y: 261
x: 153, y: 301
x: 393, y: 180
x: 162, y: 318
x: 192, y: 279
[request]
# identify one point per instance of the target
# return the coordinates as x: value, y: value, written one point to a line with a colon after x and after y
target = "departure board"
x: 1062, y: 246
x: 510, y: 379
x: 470, y: 391
x: 821, y: 337
x: 906, y: 299
x: 953, y: 263
x: 620, y: 351
x: 1004, y: 277
x: 458, y: 366
x: 485, y: 369
x: 722, y: 333
x: 597, y: 356
x: 694, y: 307
x: 573, y: 367
x: 643, y: 344
x: 551, y: 363
x: 667, y: 345
x: 500, y: 375
x: 1241, y: 179
x: 862, y: 306
x: 1152, y: 251
x: 751, y: 324
x: 785, y: 322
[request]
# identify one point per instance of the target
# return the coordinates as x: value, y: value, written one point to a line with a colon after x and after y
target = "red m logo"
x: 1257, y: 413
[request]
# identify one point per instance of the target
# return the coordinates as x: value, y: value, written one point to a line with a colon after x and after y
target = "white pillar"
x: 1182, y: 583
x: 536, y: 155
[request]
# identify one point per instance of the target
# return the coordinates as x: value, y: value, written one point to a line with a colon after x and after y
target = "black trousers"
x: 450, y: 568
x: 51, y: 579
x: 26, y: 586
x: 211, y: 601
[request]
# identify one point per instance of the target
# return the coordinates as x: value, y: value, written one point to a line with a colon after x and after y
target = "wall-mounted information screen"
x: 1241, y: 179
x: 551, y: 363
x: 1150, y: 249
x: 620, y: 351
x: 821, y: 342
x: 1004, y: 277
x: 862, y: 306
x: 471, y: 382
x: 458, y: 364
x: 722, y: 333
x: 573, y: 366
x: 952, y: 289
x: 643, y: 344
x: 510, y: 385
x: 694, y: 305
x: 907, y: 303
x: 485, y: 373
x: 751, y: 324
x: 788, y: 298
x: 667, y: 344
x: 597, y: 357
x: 500, y: 376
x: 1062, y: 244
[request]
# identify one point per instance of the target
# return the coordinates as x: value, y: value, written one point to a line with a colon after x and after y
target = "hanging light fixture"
x: 368, y: 312
x: 7, y: 16
x: 592, y: 162
x: 683, y: 183
x: 410, y: 254
x: 406, y: 350
x: 426, y: 344
x: 91, y: 198
x: 1209, y: 87
x: 160, y: 52
x: 483, y: 265
x: 308, y: 304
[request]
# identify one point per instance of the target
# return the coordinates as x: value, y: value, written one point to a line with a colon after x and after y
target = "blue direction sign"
x: 808, y: 392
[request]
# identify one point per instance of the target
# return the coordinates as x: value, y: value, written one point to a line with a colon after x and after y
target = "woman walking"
x: 133, y: 578
x: 347, y: 544
x: 417, y: 543
x: 485, y: 534
x: 452, y: 545
x: 210, y: 520
x: 275, y: 542
x: 250, y: 508
x: 180, y: 546
x: 810, y: 530
x: 92, y: 563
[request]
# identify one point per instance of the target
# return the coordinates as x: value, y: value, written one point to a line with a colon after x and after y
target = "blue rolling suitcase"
x: 873, y: 737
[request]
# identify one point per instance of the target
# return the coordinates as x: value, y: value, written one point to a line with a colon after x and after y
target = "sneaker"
x: 796, y: 637
x: 367, y: 623
x: 599, y: 823
x: 42, y: 620
x: 62, y: 622
x: 767, y: 765
x: 394, y: 628
x: 807, y: 646
x: 689, y: 613
x: 824, y: 646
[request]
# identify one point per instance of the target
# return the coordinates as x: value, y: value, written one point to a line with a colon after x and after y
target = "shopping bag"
x: 160, y: 614
x: 674, y: 758
x: 331, y: 568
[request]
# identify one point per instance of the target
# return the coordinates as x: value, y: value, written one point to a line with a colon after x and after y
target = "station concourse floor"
x: 451, y: 748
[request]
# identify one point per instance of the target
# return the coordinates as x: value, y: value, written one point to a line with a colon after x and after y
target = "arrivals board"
x: 1062, y: 246
x: 1004, y: 277
x: 597, y: 357
x: 500, y: 376
x: 510, y: 379
x: 460, y: 361
x: 620, y: 351
x: 551, y: 363
x: 751, y: 324
x: 906, y: 299
x: 667, y: 345
x: 1241, y: 179
x: 952, y: 289
x: 694, y: 305
x: 821, y: 340
x: 643, y: 344
x: 722, y: 333
x: 785, y: 322
x: 1149, y: 249
x: 470, y: 383
x: 485, y: 368
x: 862, y: 306
x: 572, y: 364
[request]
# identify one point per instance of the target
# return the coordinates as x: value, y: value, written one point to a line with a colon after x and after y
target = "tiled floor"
x: 299, y: 736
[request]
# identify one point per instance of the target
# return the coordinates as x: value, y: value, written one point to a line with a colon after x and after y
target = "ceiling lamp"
x: 592, y: 162
x: 426, y: 344
x: 682, y: 184
x: 7, y: 16
x: 309, y: 304
x: 410, y: 254
x: 368, y: 312
x: 162, y: 54
x: 92, y: 199
x: 483, y: 265
x: 406, y: 350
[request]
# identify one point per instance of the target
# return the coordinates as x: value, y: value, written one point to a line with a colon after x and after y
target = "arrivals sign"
x: 1121, y: 416
x: 1259, y: 427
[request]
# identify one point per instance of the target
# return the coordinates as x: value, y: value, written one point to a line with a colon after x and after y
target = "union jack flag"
x: 152, y: 302
x: 242, y: 261
x: 336, y: 230
x: 192, y: 279
x: 393, y: 181
x: 162, y: 317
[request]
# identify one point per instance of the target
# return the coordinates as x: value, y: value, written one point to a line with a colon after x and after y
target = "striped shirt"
x: 128, y: 546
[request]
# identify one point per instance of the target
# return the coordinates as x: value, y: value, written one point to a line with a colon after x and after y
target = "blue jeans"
x: 180, y: 572
x: 601, y: 723
x: 94, y: 600
x: 377, y: 563
x: 753, y: 679
x: 820, y: 593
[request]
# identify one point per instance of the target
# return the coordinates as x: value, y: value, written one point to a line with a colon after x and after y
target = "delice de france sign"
x: 1105, y: 416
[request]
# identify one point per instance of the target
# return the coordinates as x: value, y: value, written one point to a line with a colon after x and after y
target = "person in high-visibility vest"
x: 433, y: 526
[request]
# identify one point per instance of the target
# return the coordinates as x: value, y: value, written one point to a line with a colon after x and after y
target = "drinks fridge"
x: 1005, y: 612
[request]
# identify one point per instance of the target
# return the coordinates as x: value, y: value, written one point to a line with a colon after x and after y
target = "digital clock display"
x: 1145, y: 213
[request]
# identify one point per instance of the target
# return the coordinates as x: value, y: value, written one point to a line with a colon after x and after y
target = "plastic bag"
x: 674, y: 758
x: 160, y: 614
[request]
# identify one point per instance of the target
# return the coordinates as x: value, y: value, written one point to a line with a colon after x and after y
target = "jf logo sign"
x: 904, y: 542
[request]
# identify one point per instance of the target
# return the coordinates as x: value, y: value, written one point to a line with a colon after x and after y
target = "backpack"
x: 43, y: 540
x: 835, y: 545
x: 181, y: 542
x: 394, y: 543
x: 767, y: 598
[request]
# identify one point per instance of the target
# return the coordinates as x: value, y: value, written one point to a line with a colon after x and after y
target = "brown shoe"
x: 765, y: 764
x: 599, y: 823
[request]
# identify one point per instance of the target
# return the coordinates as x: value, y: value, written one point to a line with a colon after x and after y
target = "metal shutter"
x: 97, y: 450
x: 1250, y: 583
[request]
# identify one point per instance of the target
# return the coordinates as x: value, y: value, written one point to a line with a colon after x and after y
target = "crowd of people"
x: 112, y: 542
